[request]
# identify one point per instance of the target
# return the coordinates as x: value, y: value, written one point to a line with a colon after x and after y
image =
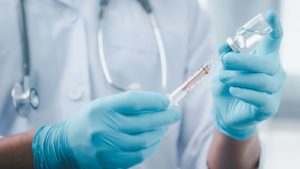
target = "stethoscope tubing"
x: 25, y: 40
x: 158, y: 37
x: 24, y: 97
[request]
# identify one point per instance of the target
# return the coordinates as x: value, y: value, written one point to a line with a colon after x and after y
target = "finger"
x: 140, y: 156
x: 147, y: 122
x: 263, y: 106
x: 224, y: 48
x: 251, y: 63
x: 255, y: 98
x: 272, y: 41
x: 219, y: 88
x: 126, y: 159
x: 254, y: 81
x: 133, y: 102
x: 143, y: 140
x: 129, y: 143
x: 270, y: 108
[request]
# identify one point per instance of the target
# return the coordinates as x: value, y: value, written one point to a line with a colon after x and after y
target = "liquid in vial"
x: 249, y: 35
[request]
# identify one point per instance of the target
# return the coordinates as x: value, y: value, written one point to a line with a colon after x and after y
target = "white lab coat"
x: 67, y: 73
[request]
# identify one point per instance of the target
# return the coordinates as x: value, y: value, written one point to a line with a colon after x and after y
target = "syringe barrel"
x: 179, y: 93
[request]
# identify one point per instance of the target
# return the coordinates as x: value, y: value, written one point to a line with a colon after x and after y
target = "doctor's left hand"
x: 248, y: 87
x: 118, y: 131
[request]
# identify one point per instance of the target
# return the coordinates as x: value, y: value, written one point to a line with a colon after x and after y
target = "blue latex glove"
x: 118, y: 131
x: 247, y: 89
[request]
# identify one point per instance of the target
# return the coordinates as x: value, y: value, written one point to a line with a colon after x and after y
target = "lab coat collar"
x: 70, y: 3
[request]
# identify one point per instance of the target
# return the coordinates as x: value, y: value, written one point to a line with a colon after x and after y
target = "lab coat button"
x: 74, y: 2
x: 71, y: 15
x: 75, y: 94
x: 69, y: 2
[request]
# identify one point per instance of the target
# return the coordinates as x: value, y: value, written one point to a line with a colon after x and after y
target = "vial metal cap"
x: 232, y: 44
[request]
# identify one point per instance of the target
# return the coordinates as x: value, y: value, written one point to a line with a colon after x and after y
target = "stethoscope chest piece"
x: 24, y: 100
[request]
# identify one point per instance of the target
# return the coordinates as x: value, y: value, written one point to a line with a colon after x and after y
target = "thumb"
x: 272, y: 42
x: 223, y: 49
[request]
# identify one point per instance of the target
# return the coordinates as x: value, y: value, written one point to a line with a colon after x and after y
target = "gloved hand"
x: 248, y: 88
x: 118, y: 131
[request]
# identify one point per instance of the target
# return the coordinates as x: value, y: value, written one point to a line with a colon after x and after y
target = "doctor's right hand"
x: 118, y: 131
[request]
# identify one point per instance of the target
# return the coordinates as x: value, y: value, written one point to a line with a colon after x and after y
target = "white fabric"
x: 66, y: 70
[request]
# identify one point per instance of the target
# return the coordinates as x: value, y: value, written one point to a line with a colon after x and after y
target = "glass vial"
x: 249, y: 35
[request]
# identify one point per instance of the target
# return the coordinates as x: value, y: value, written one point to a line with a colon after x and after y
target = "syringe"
x: 188, y: 85
x: 244, y: 41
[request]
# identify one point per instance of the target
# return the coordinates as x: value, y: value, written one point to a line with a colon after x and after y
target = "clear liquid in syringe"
x: 188, y: 85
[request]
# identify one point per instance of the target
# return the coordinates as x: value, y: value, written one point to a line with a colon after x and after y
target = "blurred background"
x: 281, y: 135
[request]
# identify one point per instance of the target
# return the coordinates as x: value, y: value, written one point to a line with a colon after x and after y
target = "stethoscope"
x: 25, y: 98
